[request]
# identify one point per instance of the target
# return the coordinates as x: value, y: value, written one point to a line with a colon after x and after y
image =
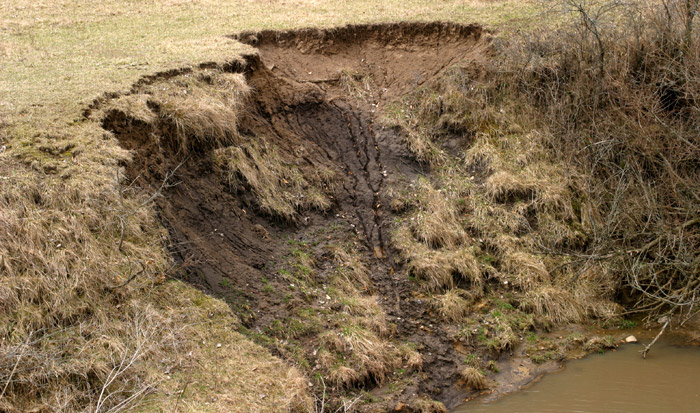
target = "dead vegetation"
x: 580, y: 154
x: 280, y: 187
x: 474, y: 378
x: 197, y: 112
x: 490, y: 211
x: 576, y: 177
x: 357, y: 349
x: 90, y: 319
x: 201, y: 112
x: 454, y: 304
x: 622, y: 107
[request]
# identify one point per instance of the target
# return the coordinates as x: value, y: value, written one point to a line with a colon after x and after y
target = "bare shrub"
x: 634, y: 136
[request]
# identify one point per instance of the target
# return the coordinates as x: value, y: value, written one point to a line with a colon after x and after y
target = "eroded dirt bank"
x: 289, y: 216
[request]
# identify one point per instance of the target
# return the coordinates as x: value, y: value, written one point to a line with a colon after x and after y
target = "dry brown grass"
x: 205, y: 111
x: 355, y: 346
x: 281, y: 188
x: 499, y: 210
x: 199, y: 110
x: 557, y: 304
x: 427, y: 405
x: 436, y: 222
x: 412, y: 359
x: 621, y: 107
x: 352, y: 269
x: 474, y: 378
x: 454, y: 305
x: 72, y: 323
x: 359, y: 356
x: 437, y: 267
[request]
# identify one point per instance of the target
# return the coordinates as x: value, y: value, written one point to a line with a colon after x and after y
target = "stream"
x: 616, y: 381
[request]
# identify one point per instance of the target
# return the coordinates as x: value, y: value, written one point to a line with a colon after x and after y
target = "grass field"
x: 59, y: 55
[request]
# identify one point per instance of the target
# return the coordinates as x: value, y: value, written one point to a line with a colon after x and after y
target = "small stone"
x: 631, y: 339
x: 399, y: 407
x: 218, y: 345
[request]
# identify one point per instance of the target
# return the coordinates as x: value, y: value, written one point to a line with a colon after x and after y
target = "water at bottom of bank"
x: 668, y: 380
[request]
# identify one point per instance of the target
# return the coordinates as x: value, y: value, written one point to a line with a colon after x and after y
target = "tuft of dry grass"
x: 600, y: 343
x: 411, y: 358
x: 437, y: 267
x: 436, y: 223
x: 554, y: 303
x: 474, y: 378
x: 427, y: 405
x: 352, y: 269
x: 360, y: 356
x: 524, y: 269
x: 192, y: 112
x: 205, y: 111
x: 454, y: 304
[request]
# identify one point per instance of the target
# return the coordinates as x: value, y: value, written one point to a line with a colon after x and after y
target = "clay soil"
x: 233, y: 250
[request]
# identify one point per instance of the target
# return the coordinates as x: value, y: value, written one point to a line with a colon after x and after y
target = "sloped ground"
x: 315, y: 100
x: 374, y: 255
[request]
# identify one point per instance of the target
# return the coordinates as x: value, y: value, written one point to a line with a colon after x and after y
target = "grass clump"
x: 280, y: 187
x: 600, y: 343
x: 432, y: 239
x: 356, y: 356
x: 453, y: 305
x: 195, y: 111
x: 474, y: 378
x: 427, y: 405
x: 205, y: 111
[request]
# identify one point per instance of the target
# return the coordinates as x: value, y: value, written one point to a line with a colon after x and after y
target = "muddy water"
x: 667, y: 381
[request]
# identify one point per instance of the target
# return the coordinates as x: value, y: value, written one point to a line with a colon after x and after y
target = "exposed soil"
x: 301, y: 103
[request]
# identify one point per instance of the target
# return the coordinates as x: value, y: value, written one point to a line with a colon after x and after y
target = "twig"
x: 180, y: 396
x: 648, y: 347
x: 128, y: 280
x: 9, y: 379
x: 154, y: 195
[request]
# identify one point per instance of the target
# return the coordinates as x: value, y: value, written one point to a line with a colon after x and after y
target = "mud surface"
x: 301, y: 102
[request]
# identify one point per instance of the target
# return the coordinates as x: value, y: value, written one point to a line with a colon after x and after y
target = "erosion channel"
x: 285, y: 207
